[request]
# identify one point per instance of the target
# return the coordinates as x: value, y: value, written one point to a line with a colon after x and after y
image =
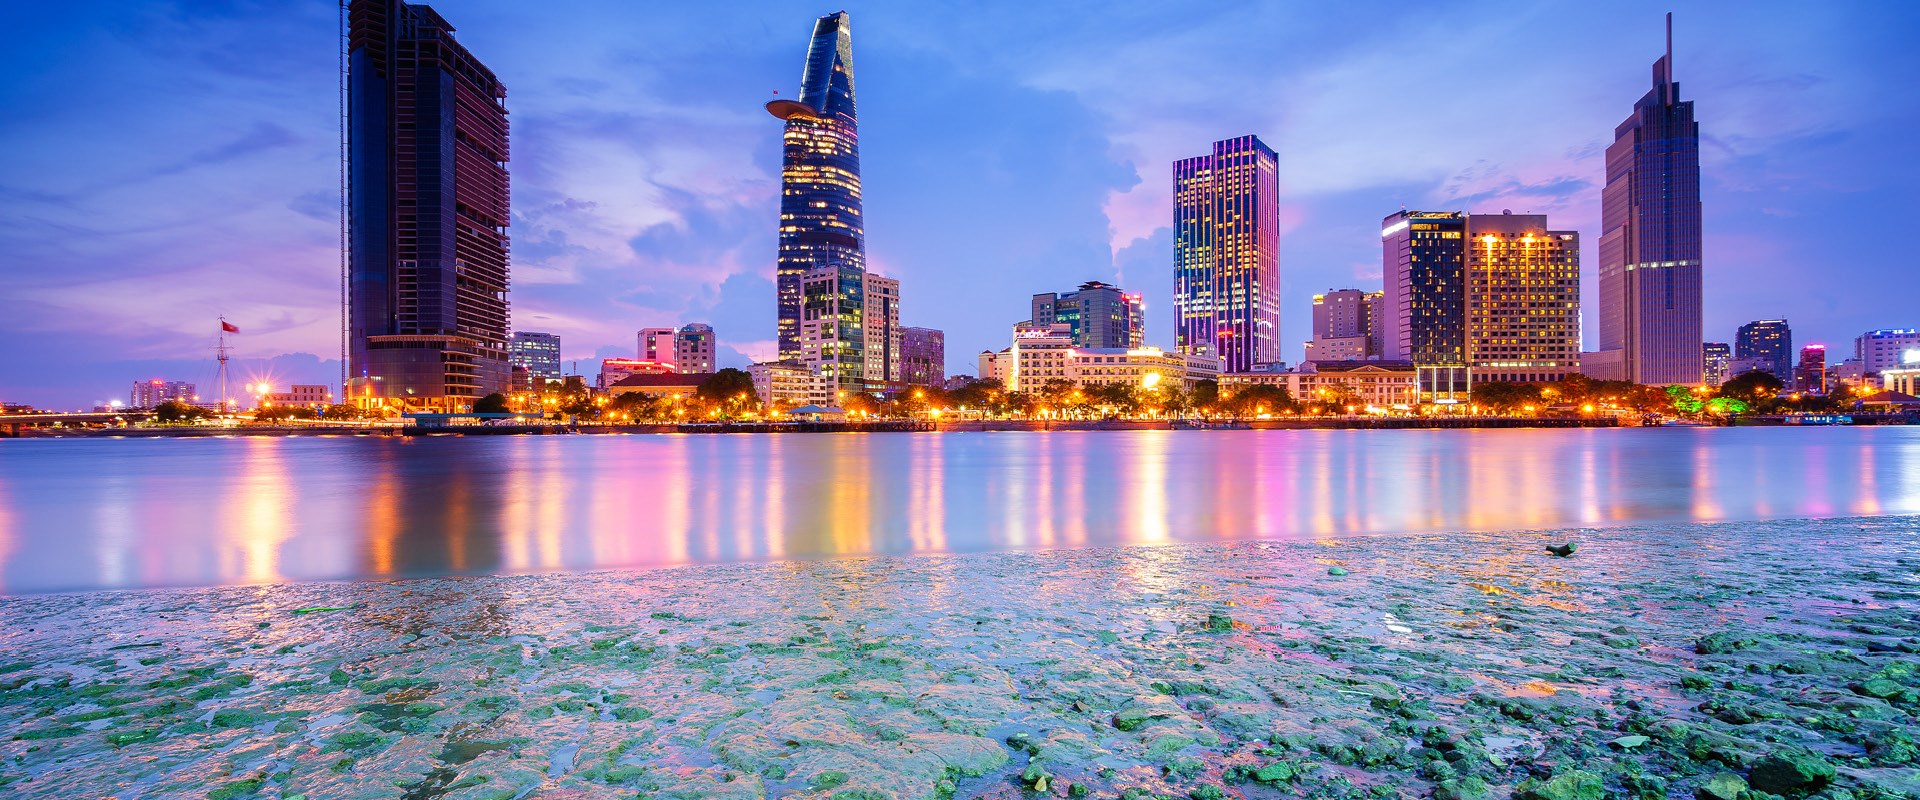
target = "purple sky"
x: 163, y: 164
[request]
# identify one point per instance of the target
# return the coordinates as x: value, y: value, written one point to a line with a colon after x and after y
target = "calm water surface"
x: 90, y: 514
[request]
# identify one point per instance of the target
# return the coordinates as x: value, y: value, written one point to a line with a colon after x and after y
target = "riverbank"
x: 851, y: 426
x: 1653, y: 662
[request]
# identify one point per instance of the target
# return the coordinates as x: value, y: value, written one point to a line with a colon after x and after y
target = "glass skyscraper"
x: 538, y: 353
x: 820, y: 219
x: 1650, y: 253
x: 428, y: 212
x: 1226, y: 252
x: 1099, y: 314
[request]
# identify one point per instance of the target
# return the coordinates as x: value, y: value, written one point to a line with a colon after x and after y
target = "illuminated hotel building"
x: 1523, y: 299
x: 1650, y: 252
x: 1226, y: 251
x: 1100, y: 315
x: 428, y: 212
x: 820, y: 214
x: 1423, y: 307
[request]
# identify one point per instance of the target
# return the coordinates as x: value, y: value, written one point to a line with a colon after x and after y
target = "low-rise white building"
x: 788, y: 384
x: 1382, y: 384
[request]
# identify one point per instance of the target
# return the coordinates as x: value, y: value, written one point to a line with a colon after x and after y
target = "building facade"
x: 1884, y: 349
x: 1767, y: 341
x: 787, y: 384
x: 538, y: 353
x: 1716, y: 359
x: 1131, y: 366
x: 1650, y: 242
x: 1523, y: 299
x: 880, y: 325
x: 923, y: 356
x: 1100, y: 315
x: 428, y: 212
x: 833, y: 339
x: 305, y: 395
x: 1380, y: 384
x: 1226, y: 250
x: 1344, y: 328
x: 693, y: 346
x: 821, y: 223
x: 1423, y: 307
x: 655, y: 344
x: 150, y: 393
x: 1811, y: 374
x: 615, y: 370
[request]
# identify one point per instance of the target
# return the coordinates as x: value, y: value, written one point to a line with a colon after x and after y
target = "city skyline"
x: 1079, y: 193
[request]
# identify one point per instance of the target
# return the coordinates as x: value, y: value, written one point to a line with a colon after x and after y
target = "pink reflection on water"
x: 82, y: 514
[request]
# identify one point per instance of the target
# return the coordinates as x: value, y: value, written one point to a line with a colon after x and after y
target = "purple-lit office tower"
x: 1226, y: 254
x: 820, y: 215
x: 427, y: 210
x: 1650, y: 254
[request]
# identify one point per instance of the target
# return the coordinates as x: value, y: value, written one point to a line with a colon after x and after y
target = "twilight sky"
x: 165, y: 163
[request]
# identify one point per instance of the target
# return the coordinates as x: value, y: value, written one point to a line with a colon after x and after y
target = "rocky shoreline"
x: 1738, y: 661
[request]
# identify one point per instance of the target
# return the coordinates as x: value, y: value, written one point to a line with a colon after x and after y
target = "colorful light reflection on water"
x: 90, y: 514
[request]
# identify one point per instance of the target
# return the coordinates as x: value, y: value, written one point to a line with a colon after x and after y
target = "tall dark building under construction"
x: 427, y: 211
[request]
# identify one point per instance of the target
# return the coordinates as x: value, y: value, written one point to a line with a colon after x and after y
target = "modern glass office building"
x: 428, y: 212
x: 1523, y: 299
x: 1423, y: 263
x: 820, y: 216
x: 1226, y: 251
x: 1650, y: 249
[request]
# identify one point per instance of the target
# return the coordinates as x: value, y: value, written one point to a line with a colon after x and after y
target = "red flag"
x: 228, y: 327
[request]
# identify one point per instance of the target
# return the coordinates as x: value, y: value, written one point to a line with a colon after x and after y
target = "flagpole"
x: 221, y: 352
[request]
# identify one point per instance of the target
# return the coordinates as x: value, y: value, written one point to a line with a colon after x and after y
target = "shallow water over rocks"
x: 1654, y: 662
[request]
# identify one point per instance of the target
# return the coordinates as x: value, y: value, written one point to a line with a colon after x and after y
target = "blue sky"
x: 162, y: 164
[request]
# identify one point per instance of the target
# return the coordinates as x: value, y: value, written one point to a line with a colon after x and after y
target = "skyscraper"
x: 537, y: 353
x: 428, y: 212
x: 1769, y: 341
x: 1523, y: 299
x: 1099, y: 314
x: 1650, y: 253
x: 820, y: 215
x: 1423, y: 319
x: 1226, y: 253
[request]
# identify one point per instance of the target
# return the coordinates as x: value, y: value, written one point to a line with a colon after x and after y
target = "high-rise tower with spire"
x: 1650, y: 253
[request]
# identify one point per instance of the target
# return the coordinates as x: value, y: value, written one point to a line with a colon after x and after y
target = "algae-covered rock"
x: 1724, y: 786
x: 1790, y: 773
x: 1276, y: 772
x: 1574, y: 784
x: 1219, y: 623
x: 1720, y: 644
x: 1629, y: 742
x: 1336, y: 571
